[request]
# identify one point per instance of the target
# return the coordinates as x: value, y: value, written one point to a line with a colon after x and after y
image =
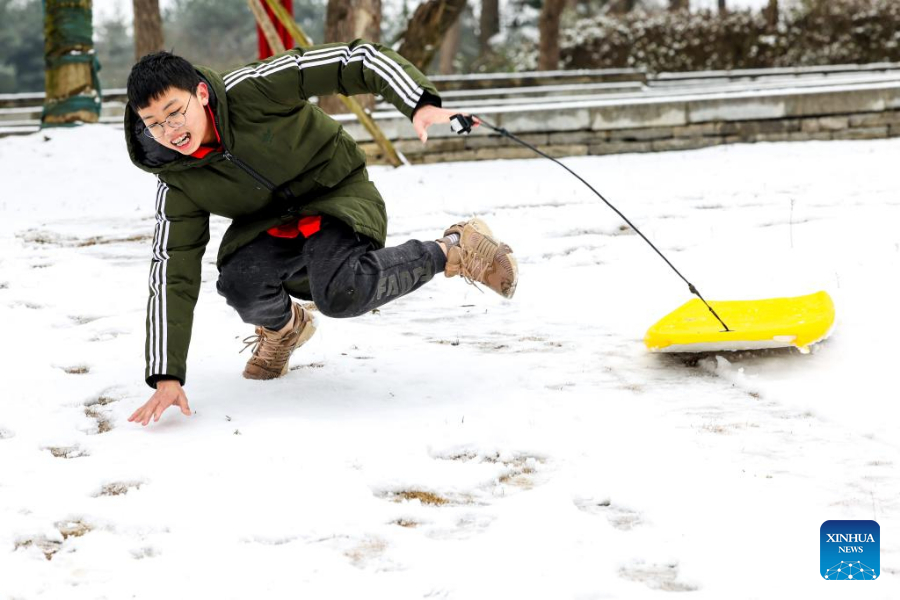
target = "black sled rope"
x: 462, y: 124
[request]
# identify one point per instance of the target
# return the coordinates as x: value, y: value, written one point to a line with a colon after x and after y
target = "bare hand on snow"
x: 167, y: 393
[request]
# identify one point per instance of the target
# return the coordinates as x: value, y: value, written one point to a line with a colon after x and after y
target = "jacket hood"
x: 153, y: 157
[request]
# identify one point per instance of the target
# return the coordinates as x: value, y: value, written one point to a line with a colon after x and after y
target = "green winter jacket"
x: 282, y: 158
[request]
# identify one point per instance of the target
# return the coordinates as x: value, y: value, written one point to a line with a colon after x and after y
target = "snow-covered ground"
x: 456, y: 445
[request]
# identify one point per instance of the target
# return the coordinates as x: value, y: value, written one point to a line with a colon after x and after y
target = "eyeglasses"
x: 175, y: 120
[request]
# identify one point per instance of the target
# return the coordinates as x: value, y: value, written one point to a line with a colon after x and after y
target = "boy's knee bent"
x: 229, y: 288
x: 239, y: 279
x: 340, y: 302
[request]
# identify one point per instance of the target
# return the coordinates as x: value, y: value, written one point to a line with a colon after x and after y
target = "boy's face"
x: 177, y: 106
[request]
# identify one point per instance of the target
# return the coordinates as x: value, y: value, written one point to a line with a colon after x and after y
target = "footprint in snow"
x: 109, y: 334
x: 118, y: 488
x: 500, y: 343
x: 618, y: 516
x: 361, y: 551
x: 365, y: 550
x: 516, y: 470
x: 145, y: 552
x: 460, y: 514
x: 93, y: 409
x: 461, y: 527
x: 81, y: 319
x: 663, y: 577
x: 26, y: 304
x: 50, y: 545
x: 67, y: 451
x: 422, y: 496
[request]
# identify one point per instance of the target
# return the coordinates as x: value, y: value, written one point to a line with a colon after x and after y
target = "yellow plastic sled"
x: 754, y: 324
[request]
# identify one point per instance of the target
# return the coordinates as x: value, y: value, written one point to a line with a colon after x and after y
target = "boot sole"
x: 515, y: 277
x: 308, y: 330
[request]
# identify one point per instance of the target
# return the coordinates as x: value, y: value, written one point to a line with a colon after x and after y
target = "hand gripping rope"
x: 462, y: 124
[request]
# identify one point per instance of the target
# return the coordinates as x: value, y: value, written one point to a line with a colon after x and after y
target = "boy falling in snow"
x: 306, y: 220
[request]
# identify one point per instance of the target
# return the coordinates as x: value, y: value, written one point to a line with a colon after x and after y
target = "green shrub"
x: 818, y: 32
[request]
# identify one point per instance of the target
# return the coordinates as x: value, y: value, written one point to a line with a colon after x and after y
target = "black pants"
x: 347, y: 277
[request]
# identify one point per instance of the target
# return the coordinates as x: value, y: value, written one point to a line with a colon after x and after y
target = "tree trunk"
x: 489, y: 24
x: 679, y: 4
x: 622, y: 7
x: 450, y: 48
x: 722, y: 8
x: 548, y: 24
x: 148, y: 35
x: 347, y: 20
x: 771, y: 13
x: 70, y: 78
x: 426, y: 30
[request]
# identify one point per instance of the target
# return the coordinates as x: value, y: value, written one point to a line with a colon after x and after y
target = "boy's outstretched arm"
x: 179, y: 241
x: 350, y: 68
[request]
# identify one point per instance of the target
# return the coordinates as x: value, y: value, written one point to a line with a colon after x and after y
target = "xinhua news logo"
x: 850, y: 550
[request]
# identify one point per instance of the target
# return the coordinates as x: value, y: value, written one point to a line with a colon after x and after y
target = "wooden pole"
x: 268, y: 29
x: 303, y: 41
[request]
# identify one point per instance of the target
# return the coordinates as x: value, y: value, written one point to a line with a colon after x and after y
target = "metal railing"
x: 20, y: 113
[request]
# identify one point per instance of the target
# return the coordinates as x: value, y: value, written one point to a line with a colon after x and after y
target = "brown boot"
x: 479, y: 226
x: 271, y: 349
x: 479, y: 257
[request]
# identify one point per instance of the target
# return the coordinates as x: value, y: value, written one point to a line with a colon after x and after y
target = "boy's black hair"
x: 155, y: 73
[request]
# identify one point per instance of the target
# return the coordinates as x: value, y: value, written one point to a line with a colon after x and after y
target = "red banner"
x: 264, y: 50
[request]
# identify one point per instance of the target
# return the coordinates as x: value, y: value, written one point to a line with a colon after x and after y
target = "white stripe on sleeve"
x: 158, y: 327
x: 389, y: 70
